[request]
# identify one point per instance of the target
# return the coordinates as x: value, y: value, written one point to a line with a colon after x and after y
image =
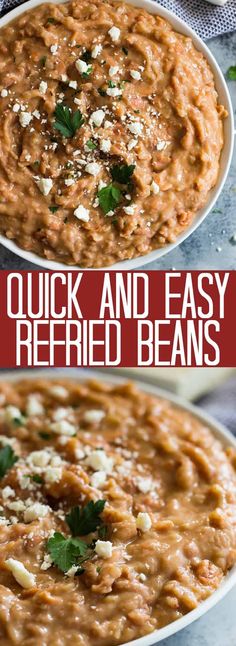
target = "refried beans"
x: 117, y: 513
x: 111, y: 132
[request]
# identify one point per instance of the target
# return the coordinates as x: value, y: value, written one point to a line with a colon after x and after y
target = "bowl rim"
x: 227, y: 150
x: 218, y: 429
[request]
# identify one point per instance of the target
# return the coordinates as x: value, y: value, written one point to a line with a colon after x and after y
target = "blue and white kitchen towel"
x: 206, y: 19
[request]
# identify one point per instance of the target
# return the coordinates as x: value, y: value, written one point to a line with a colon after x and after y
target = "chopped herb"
x: 217, y: 211
x: 19, y: 421
x: 231, y: 73
x: 51, y: 21
x: 37, y: 478
x: 36, y: 162
x: 98, y: 569
x: 89, y: 71
x: 137, y: 111
x: 86, y: 520
x: 101, y: 91
x: 45, y: 436
x: 91, y: 144
x: 102, y: 532
x: 67, y: 122
x: 111, y: 84
x: 53, y: 209
x: 109, y: 198
x: 66, y: 552
x: 122, y: 173
x: 125, y: 50
x: 7, y: 459
x: 86, y: 56
x: 43, y: 61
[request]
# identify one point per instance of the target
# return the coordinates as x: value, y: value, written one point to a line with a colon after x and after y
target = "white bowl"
x: 217, y: 429
x: 226, y: 156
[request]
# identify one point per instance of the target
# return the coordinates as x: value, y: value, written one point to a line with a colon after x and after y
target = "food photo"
x: 117, y: 134
x: 118, y: 516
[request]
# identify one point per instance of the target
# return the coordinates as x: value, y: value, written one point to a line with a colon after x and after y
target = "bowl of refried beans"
x: 117, y: 520
x: 116, y: 132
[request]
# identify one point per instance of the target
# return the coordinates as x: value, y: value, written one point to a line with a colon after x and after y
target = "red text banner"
x: 106, y: 319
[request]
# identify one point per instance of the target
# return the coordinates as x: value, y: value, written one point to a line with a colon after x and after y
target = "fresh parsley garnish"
x: 125, y: 50
x: 88, y: 72
x: 66, y: 552
x: 53, y: 209
x: 19, y: 421
x: 91, y: 144
x: 51, y: 21
x: 101, y: 91
x: 7, y: 459
x: 111, y: 84
x: 86, y: 520
x: 45, y: 436
x: 122, y: 173
x: 109, y: 198
x: 66, y: 121
x: 231, y: 73
x: 37, y: 478
x: 43, y: 61
x: 102, y: 532
x: 86, y: 56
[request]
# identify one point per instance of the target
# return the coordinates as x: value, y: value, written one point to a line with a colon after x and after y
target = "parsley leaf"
x: 88, y: 72
x: 45, y: 436
x: 91, y: 144
x: 86, y: 520
x: 37, y: 478
x: 43, y: 61
x: 122, y: 173
x: 66, y: 552
x: 67, y: 122
x: 125, y: 50
x: 7, y: 459
x: 53, y: 209
x: 231, y: 73
x: 102, y: 91
x: 86, y: 56
x: 109, y: 198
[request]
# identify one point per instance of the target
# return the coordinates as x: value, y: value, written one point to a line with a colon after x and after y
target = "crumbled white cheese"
x: 97, y: 117
x: 60, y: 413
x: 73, y: 84
x: 16, y: 107
x: 53, y: 49
x: 25, y: 118
x: 12, y: 413
x: 94, y: 416
x: 53, y: 474
x: 63, y: 428
x: 8, y: 492
x: 58, y: 392
x: 161, y: 145
x: 38, y: 458
x: 25, y: 578
x: 64, y: 78
x: 34, y: 406
x: 124, y: 468
x: 36, y: 114
x: 113, y: 91
x: 142, y: 576
x: 96, y: 51
x: 35, y: 512
x: 155, y: 188
x: 16, y: 505
x: 113, y: 70
x: 81, y: 66
x: 144, y: 484
x: 69, y: 182
x: 99, y: 461
x: 7, y: 441
x: 135, y: 128
x: 114, y: 33
x: 43, y: 86
x: 82, y: 213
x: 130, y: 210
x: 45, y: 185
x: 132, y: 143
x: 108, y: 124
x: 98, y: 479
x: 47, y: 562
x: 93, y: 168
x: 135, y: 75
x: 143, y: 521
x: 4, y: 93
x: 105, y: 145
x: 27, y: 157
x: 72, y: 571
x: 103, y: 549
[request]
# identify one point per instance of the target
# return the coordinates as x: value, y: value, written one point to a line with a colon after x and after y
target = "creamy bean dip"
x: 117, y: 513
x: 111, y: 132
